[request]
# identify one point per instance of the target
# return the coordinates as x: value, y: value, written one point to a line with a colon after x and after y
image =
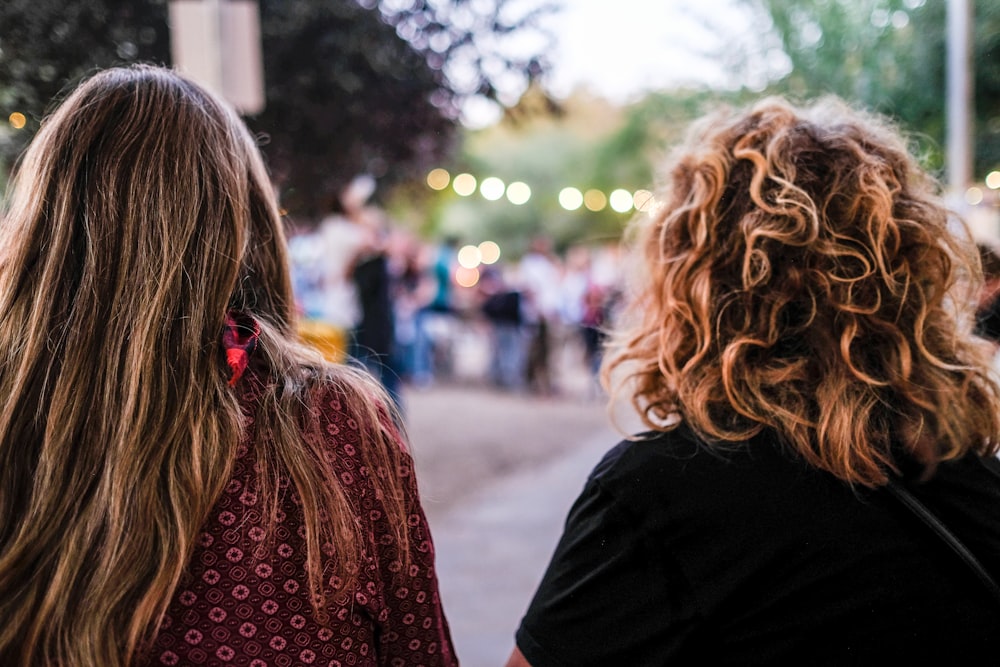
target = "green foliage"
x: 46, y: 47
x: 652, y: 125
x: 586, y: 143
x: 986, y: 28
x: 548, y: 147
x: 889, y: 55
x: 336, y: 108
x: 352, y: 86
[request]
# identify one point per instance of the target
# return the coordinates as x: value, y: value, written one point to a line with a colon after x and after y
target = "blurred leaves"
x: 888, y: 55
x: 351, y: 86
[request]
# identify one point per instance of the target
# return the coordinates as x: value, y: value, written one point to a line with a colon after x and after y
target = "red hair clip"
x: 239, y: 339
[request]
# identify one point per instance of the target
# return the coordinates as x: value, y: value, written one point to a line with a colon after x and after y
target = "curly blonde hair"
x: 803, y: 276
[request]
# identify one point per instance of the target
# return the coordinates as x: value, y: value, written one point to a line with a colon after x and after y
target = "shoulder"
x: 654, y: 460
x: 334, y: 407
x: 677, y: 475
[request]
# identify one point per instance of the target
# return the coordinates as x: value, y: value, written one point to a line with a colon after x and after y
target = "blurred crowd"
x: 376, y: 293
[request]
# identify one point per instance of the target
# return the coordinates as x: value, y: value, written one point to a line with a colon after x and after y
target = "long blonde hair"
x: 139, y: 216
x: 803, y: 276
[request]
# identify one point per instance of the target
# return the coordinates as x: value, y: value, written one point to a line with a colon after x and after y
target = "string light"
x: 571, y: 198
x: 492, y: 188
x: 518, y: 193
x: 464, y: 184
x: 595, y: 200
x: 974, y: 196
x: 489, y: 252
x: 438, y: 179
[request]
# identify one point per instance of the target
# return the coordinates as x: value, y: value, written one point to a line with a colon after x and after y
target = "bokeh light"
x: 492, y: 188
x: 464, y: 184
x: 469, y: 256
x: 595, y: 200
x: 643, y: 200
x: 621, y: 200
x: 518, y: 192
x: 489, y: 252
x: 974, y: 196
x: 570, y: 198
x: 993, y: 180
x: 466, y: 277
x: 438, y: 179
x: 17, y: 120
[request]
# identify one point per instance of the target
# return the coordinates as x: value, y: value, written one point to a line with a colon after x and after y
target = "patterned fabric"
x: 242, y: 605
x: 239, y: 340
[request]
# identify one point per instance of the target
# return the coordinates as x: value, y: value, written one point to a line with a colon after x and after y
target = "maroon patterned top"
x: 234, y: 609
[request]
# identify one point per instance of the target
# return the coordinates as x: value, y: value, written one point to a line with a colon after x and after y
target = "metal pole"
x: 959, y: 85
x: 218, y: 44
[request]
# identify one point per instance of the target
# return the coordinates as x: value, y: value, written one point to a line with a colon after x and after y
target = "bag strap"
x: 931, y: 520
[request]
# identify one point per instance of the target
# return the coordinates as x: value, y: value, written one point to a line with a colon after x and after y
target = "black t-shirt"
x: 374, y: 334
x: 676, y: 554
x: 988, y: 321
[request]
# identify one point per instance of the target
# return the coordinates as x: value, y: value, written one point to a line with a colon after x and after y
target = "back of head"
x: 149, y: 197
x: 140, y: 213
x: 801, y: 275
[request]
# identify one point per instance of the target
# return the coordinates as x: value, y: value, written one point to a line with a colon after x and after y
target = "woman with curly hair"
x: 818, y: 485
x: 181, y: 480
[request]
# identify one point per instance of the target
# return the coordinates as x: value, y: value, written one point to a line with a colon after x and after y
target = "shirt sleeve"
x: 607, y: 597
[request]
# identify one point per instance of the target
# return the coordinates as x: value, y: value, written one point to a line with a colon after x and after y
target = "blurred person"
x: 435, y: 318
x: 409, y: 291
x: 540, y: 278
x: 339, y: 240
x: 818, y: 485
x: 373, y: 337
x: 322, y: 261
x: 586, y: 306
x: 181, y: 481
x: 576, y: 276
x: 594, y: 321
x: 501, y: 307
x: 988, y: 299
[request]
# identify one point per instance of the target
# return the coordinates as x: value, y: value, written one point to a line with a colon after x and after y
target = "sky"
x: 621, y: 49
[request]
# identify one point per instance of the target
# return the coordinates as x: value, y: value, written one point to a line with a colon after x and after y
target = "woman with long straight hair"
x: 181, y: 481
x: 819, y: 483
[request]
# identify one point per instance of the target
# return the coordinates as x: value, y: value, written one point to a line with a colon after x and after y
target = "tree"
x: 549, y: 148
x: 351, y: 86
x: 888, y: 55
x: 46, y: 47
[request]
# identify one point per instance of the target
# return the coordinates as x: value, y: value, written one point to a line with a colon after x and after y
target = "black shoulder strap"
x: 909, y: 501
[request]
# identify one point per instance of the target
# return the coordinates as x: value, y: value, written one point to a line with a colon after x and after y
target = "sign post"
x: 217, y: 43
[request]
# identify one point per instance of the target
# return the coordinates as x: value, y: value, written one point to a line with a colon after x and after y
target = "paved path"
x: 493, y: 548
x: 498, y: 474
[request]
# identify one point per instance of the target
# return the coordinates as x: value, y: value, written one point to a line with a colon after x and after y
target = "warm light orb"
x: 489, y: 252
x: 438, y: 179
x: 595, y: 200
x: 466, y: 277
x: 643, y: 200
x: 974, y: 196
x: 621, y: 200
x: 993, y: 180
x: 17, y: 120
x: 570, y: 198
x: 492, y: 188
x: 469, y: 256
x: 518, y: 193
x: 464, y: 184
